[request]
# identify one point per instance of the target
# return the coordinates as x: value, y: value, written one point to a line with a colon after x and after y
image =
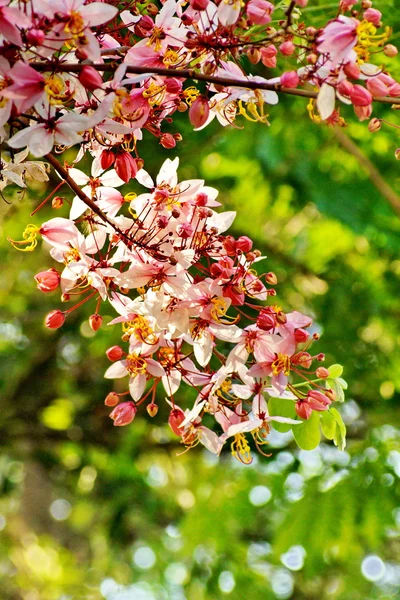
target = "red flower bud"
x: 351, y: 70
x: 55, y: 319
x: 48, y: 281
x: 114, y: 353
x: 167, y: 140
x: 124, y: 413
x: 290, y: 79
x: 90, y: 78
x: 287, y: 48
x: 303, y: 409
x: 317, y: 400
x: 173, y: 85
x: 271, y: 278
x: 199, y: 4
x: 360, y: 96
x: 268, y: 56
x: 301, y: 336
x: 199, y: 112
x: 152, y: 409
x: 126, y: 166
x: 176, y: 417
x: 95, y: 321
x: 266, y: 320
x: 244, y: 243
x: 345, y: 87
x: 35, y: 37
x: 112, y: 399
x: 322, y: 373
x: 107, y: 158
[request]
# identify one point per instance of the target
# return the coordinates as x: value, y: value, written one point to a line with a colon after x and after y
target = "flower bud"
x: 123, y: 414
x: 304, y: 359
x: 55, y: 319
x: 57, y: 202
x: 199, y: 4
x: 243, y: 243
x: 271, y: 278
x: 259, y: 11
x: 114, y: 353
x: 363, y: 112
x: 81, y: 54
x: 112, y: 399
x: 374, y: 125
x: 287, y: 48
x: 268, y: 56
x: 360, y: 96
x: 317, y: 400
x: 152, y: 409
x: 376, y: 86
x: 390, y: 50
x: 311, y: 31
x: 397, y: 154
x: 301, y: 3
x: 90, y: 78
x: 266, y: 321
x: 351, y: 70
x: 126, y: 166
x: 176, y: 417
x: 303, y: 409
x: 48, y: 281
x: 345, y: 87
x: 199, y: 112
x: 95, y: 322
x: 173, y: 85
x: 230, y: 245
x: 290, y: 79
x: 107, y: 158
x: 254, y: 55
x: 372, y: 15
x: 301, y: 336
x: 167, y: 140
x: 322, y: 373
x: 35, y: 37
x: 152, y: 9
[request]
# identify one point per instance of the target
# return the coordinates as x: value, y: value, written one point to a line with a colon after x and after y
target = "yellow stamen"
x: 136, y: 365
x: 241, y: 449
x: 281, y: 365
x: 29, y: 239
x: 367, y: 39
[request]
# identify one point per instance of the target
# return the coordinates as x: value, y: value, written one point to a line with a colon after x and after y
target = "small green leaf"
x: 335, y: 371
x: 282, y: 408
x: 343, y: 383
x: 340, y: 433
x: 328, y: 425
x: 308, y: 435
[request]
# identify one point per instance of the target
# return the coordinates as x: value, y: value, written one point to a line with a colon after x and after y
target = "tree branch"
x: 191, y: 74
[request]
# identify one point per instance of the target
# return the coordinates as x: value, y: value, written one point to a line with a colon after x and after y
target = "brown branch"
x: 373, y: 173
x: 191, y: 74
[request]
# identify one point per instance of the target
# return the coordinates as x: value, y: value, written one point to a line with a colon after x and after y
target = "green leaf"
x: 282, y: 408
x: 340, y: 433
x: 308, y: 435
x: 335, y: 371
x: 328, y: 425
x: 337, y: 388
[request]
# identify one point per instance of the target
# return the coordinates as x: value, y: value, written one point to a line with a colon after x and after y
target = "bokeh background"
x: 88, y: 511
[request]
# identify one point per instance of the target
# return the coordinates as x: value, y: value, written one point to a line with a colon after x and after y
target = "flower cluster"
x: 193, y: 311
x: 89, y: 73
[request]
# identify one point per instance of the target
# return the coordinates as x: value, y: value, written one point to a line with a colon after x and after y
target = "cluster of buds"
x: 193, y: 310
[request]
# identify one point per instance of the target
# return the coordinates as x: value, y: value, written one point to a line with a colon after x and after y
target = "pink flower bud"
x: 112, y: 399
x: 126, y: 166
x: 114, y: 353
x: 57, y: 202
x: 390, y: 50
x: 287, y: 48
x: 376, y: 86
x: 95, y: 322
x: 317, y: 400
x: 55, y: 319
x: 199, y: 4
x: 322, y: 373
x: 360, y: 96
x: 373, y: 16
x: 266, y: 321
x: 290, y: 79
x: 35, y: 37
x: 303, y: 409
x: 184, y: 231
x: 90, y: 78
x: 199, y: 112
x: 268, y: 56
x: 301, y: 3
x: 374, y: 125
x: 244, y: 244
x: 351, y: 70
x: 394, y: 90
x: 363, y: 112
x: 229, y: 243
x: 167, y: 140
x: 301, y: 336
x: 48, y: 281
x: 107, y: 158
x: 123, y: 414
x: 345, y: 87
x: 176, y: 417
x: 304, y: 359
x: 173, y: 85
x: 259, y: 11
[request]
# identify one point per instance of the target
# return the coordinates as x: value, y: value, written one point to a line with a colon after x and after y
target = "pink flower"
x: 259, y: 11
x: 27, y: 88
x: 124, y: 413
x: 338, y: 39
x: 9, y: 18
